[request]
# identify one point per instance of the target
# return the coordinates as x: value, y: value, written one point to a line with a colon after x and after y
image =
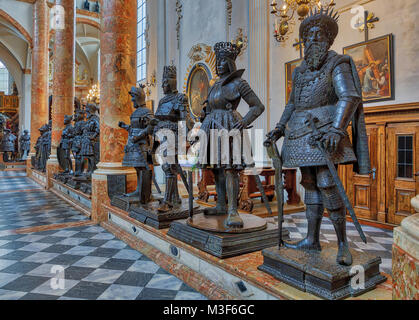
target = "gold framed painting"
x: 198, y: 88
x: 289, y: 69
x: 374, y: 63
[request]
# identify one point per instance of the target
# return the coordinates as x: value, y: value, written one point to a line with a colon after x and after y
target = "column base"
x: 100, y: 194
x: 53, y: 168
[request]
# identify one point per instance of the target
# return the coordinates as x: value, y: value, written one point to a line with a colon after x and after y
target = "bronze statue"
x: 90, y: 142
x: 172, y: 109
x: 79, y: 124
x: 25, y: 144
x: 326, y: 96
x: 8, y: 145
x: 220, y: 113
x: 138, y: 148
x: 63, y: 152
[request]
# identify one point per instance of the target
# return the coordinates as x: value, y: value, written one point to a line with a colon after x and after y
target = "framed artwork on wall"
x: 198, y: 87
x: 375, y: 66
x: 289, y: 69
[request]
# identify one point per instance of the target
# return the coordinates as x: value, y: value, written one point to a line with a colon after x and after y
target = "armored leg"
x: 175, y: 195
x: 136, y: 193
x: 233, y: 220
x: 334, y: 204
x: 220, y: 188
x: 167, y: 203
x: 145, y: 186
x: 314, y: 212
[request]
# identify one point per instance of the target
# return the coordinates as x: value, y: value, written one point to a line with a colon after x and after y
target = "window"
x: 405, y: 157
x: 4, y: 79
x: 141, y: 41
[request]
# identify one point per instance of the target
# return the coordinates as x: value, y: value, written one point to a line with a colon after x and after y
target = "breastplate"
x: 138, y: 118
x: 168, y: 108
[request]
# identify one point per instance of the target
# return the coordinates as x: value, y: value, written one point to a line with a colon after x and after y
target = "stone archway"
x: 18, y: 26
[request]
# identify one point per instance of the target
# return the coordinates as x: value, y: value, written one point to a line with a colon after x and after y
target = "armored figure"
x: 138, y: 148
x: 220, y: 114
x: 172, y: 109
x: 79, y: 124
x: 25, y: 144
x: 65, y: 146
x: 45, y: 146
x: 90, y: 139
x: 326, y: 88
x: 8, y: 145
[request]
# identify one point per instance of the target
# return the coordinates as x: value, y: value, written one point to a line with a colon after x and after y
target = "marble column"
x: 258, y: 71
x: 63, y: 81
x: 117, y: 75
x: 39, y: 83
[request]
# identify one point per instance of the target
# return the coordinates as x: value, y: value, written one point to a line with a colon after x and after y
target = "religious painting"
x: 289, y: 69
x: 374, y: 63
x: 198, y: 87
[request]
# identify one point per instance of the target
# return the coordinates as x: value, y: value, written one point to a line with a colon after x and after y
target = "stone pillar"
x: 258, y: 71
x: 39, y: 83
x: 63, y: 81
x: 117, y: 75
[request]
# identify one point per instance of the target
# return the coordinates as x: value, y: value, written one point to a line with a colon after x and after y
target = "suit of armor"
x: 326, y: 87
x: 8, y: 145
x: 25, y: 144
x: 171, y: 110
x: 90, y: 139
x: 65, y: 145
x: 220, y: 115
x: 79, y: 124
x: 37, y: 163
x: 138, y: 147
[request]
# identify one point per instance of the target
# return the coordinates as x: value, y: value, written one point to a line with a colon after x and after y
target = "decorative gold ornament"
x: 94, y: 95
x: 286, y: 9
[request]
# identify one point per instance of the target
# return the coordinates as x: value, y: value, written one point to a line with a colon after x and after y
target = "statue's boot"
x: 233, y: 220
x: 176, y: 200
x: 166, y: 204
x: 220, y: 188
x: 314, y: 214
x: 338, y: 218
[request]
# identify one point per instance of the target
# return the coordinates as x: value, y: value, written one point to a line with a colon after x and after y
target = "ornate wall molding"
x: 179, y: 19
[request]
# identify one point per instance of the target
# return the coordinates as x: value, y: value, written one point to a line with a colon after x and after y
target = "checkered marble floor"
x: 12, y: 174
x: 85, y: 262
x: 379, y: 240
x: 17, y: 183
x: 34, y: 208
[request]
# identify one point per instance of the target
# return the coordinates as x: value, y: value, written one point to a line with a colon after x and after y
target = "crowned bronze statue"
x: 138, y: 148
x: 172, y: 109
x: 64, y: 150
x: 24, y: 144
x: 326, y: 97
x: 326, y: 88
x: 220, y: 113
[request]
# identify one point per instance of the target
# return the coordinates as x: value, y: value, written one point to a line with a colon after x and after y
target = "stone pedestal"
x: 319, y: 274
x: 406, y: 258
x: 150, y: 216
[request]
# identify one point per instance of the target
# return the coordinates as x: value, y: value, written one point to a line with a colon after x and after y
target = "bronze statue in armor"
x: 79, y: 124
x: 25, y: 144
x: 8, y: 145
x: 326, y: 88
x: 65, y: 146
x: 138, y: 148
x: 172, y: 109
x: 90, y: 139
x: 220, y: 113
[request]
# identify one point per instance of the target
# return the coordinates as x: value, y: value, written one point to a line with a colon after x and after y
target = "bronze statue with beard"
x: 138, y: 148
x: 326, y: 87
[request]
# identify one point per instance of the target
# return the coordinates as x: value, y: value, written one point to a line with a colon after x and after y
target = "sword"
x: 156, y: 184
x: 330, y: 164
x: 263, y: 193
x: 273, y: 153
x: 183, y: 176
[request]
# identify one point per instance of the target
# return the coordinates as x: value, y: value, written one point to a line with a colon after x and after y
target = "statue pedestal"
x: 125, y: 203
x: 226, y: 245
x: 149, y: 215
x: 406, y: 258
x: 319, y: 274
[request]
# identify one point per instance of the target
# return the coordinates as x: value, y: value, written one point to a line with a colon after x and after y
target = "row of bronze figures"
x: 326, y: 97
x: 12, y: 152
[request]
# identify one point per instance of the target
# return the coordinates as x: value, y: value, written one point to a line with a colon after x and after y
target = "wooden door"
x: 402, y: 162
x: 362, y: 189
